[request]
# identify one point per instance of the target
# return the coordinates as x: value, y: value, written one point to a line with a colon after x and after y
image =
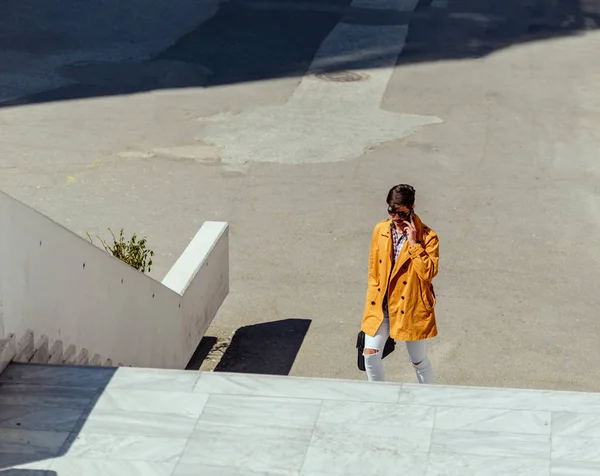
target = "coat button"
x: 372, y: 303
x: 380, y: 261
x: 404, y: 282
x: 401, y: 312
x: 378, y: 290
x: 402, y: 297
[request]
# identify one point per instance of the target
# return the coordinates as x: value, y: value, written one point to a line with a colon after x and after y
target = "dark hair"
x: 401, y: 195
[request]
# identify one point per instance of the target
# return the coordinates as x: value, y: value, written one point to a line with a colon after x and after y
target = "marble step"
x: 70, y: 420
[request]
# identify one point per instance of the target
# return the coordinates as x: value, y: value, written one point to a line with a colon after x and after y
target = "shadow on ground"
x: 28, y: 472
x: 42, y: 411
x: 245, y: 40
x: 266, y: 348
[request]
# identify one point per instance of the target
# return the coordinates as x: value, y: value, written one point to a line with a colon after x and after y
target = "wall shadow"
x: 266, y: 348
x: 42, y: 411
x: 206, y: 345
x: 28, y: 472
x: 474, y: 29
x: 251, y: 40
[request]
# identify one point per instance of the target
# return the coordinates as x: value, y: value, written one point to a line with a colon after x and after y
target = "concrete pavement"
x: 509, y: 178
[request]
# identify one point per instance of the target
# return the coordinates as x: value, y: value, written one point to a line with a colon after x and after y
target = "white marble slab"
x: 176, y: 403
x: 576, y: 424
x: 486, y: 419
x: 320, y: 473
x: 572, y: 448
x: 473, y: 465
x: 33, y: 442
x: 276, y: 386
x: 39, y: 418
x: 58, y: 375
x: 241, y: 410
x: 209, y: 470
x: 130, y: 378
x: 362, y: 449
x: 489, y: 443
x: 138, y: 423
x: 23, y: 464
x: 500, y: 398
x: 383, y: 462
x: 253, y: 447
x: 124, y: 447
x: 375, y: 415
x: 574, y: 468
x: 27, y: 472
x: 46, y: 396
x: 105, y: 467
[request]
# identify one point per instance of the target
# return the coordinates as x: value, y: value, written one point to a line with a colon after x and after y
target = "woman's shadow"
x: 265, y: 348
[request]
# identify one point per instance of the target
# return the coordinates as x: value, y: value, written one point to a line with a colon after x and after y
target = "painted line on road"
x: 370, y: 50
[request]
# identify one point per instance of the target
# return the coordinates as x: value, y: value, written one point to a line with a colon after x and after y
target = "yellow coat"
x: 411, y: 299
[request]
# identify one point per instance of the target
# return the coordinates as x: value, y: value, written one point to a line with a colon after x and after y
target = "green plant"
x: 132, y: 251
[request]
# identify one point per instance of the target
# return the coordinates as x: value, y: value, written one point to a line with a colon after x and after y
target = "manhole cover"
x: 342, y: 76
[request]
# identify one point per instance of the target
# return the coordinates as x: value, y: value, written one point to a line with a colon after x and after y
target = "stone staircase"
x: 28, y: 349
x: 66, y: 420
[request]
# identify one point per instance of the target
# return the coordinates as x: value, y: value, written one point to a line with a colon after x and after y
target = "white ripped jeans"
x: 417, y: 353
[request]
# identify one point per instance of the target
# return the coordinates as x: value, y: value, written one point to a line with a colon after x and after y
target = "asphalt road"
x: 155, y: 119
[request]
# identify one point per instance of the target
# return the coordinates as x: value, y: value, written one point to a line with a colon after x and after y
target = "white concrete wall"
x: 201, y: 276
x: 58, y: 284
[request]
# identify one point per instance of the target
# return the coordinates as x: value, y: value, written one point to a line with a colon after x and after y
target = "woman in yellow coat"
x: 400, y: 299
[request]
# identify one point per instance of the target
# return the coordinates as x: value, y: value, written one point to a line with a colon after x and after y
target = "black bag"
x: 388, y: 348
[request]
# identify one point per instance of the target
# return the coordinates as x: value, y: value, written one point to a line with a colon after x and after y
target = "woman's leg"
x: 417, y: 353
x: 372, y: 353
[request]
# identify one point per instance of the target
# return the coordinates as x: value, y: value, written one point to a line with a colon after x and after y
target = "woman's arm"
x: 425, y: 257
x: 373, y: 279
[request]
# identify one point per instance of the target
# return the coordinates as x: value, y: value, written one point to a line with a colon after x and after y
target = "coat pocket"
x: 427, y: 295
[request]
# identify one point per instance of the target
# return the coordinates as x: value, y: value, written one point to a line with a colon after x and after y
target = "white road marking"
x: 327, y: 121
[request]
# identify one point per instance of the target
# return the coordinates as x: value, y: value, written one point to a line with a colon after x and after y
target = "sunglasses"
x: 401, y: 215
